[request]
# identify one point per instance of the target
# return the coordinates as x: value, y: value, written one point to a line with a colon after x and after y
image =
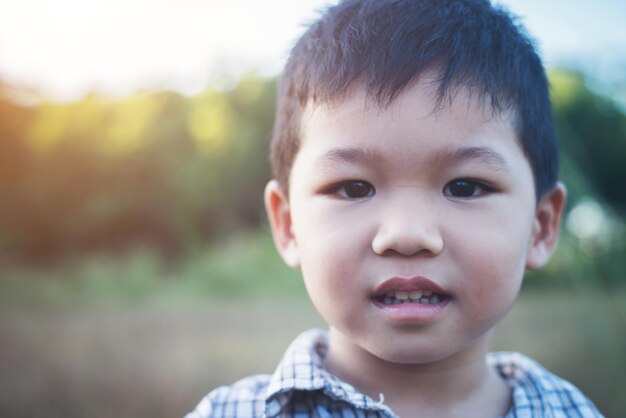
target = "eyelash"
x: 474, y: 185
x: 342, y: 190
x: 360, y: 189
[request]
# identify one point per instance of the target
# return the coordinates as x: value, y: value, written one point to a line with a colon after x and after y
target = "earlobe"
x: 546, y: 227
x: 279, y: 214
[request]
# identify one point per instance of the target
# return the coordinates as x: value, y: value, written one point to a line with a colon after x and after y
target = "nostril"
x: 396, y: 253
x: 408, y: 247
x: 399, y: 234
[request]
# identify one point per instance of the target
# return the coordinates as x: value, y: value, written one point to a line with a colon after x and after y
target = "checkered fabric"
x: 300, y: 387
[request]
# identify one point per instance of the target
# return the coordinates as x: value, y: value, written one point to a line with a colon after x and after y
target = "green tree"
x: 592, y: 132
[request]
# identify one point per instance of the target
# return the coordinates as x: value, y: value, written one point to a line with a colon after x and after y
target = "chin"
x: 410, y: 354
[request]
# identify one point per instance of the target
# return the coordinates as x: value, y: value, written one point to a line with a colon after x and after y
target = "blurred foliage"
x: 592, y: 128
x: 173, y: 174
x: 245, y: 266
x: 155, y: 169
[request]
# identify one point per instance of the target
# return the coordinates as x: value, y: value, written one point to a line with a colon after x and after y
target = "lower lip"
x: 412, y: 313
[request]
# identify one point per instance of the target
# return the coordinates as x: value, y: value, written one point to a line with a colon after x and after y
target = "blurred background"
x: 136, y: 268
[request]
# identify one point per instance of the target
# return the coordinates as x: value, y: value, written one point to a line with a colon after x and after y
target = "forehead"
x: 415, y: 115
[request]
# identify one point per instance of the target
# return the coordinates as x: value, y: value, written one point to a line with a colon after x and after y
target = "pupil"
x: 462, y: 188
x: 357, y: 189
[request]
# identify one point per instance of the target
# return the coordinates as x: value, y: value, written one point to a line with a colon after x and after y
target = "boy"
x: 415, y: 169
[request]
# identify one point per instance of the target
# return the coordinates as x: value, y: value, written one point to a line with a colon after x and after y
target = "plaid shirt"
x: 300, y: 387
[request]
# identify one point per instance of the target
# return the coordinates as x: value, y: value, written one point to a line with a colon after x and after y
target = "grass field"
x: 124, y: 361
x: 135, y: 340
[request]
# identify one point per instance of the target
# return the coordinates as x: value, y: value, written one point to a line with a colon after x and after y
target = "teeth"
x: 402, y: 295
x: 426, y: 297
x: 417, y: 295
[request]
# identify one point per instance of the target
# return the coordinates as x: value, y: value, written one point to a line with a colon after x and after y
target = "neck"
x: 442, y: 388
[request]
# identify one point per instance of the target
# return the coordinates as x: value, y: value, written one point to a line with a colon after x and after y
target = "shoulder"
x: 299, y: 370
x: 537, y: 391
x: 245, y: 399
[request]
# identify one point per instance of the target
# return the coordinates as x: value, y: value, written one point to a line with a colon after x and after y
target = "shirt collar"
x: 302, y: 369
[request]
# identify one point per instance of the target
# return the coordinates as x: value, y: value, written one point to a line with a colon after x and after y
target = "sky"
x: 66, y: 48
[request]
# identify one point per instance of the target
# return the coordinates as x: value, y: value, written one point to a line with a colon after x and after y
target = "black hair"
x: 386, y: 45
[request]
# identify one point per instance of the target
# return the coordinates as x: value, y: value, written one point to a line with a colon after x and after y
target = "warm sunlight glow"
x: 49, y: 126
x: 68, y: 47
x: 209, y: 124
x: 128, y: 123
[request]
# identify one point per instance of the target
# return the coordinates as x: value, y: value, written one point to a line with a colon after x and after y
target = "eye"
x: 465, y: 189
x: 355, y: 189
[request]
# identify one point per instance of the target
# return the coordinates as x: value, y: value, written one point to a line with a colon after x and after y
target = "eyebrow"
x: 481, y: 154
x: 352, y: 156
x: 452, y: 155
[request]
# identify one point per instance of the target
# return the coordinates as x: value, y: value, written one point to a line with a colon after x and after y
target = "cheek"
x: 330, y: 241
x: 494, y: 266
x: 332, y: 250
x: 331, y: 279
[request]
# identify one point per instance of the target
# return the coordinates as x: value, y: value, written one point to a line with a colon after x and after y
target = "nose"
x: 408, y: 226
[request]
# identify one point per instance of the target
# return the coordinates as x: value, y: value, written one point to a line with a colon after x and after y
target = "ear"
x: 279, y: 214
x: 546, y: 227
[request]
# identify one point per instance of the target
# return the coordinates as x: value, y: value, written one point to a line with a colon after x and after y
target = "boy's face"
x: 385, y: 204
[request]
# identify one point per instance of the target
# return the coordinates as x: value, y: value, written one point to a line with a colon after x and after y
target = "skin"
x: 374, y: 193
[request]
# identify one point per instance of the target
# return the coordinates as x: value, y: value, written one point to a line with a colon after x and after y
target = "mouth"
x: 425, y: 297
x: 417, y: 290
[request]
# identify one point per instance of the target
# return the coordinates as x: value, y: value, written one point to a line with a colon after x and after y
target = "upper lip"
x: 410, y: 284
